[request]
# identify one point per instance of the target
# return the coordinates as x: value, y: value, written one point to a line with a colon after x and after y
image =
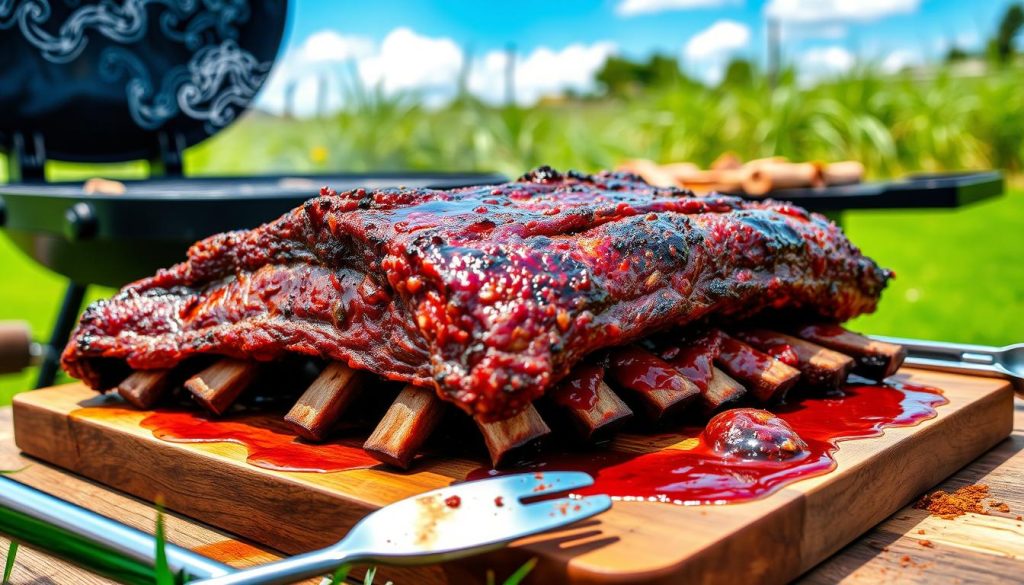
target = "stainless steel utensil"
x: 447, y: 523
x: 100, y: 530
x: 444, y: 524
x: 980, y: 360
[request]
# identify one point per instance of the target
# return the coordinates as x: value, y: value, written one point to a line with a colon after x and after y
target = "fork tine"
x: 525, y: 485
x: 562, y: 511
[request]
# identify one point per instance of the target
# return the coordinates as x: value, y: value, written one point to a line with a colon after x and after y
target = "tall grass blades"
x: 74, y: 549
x: 12, y: 553
x: 893, y: 123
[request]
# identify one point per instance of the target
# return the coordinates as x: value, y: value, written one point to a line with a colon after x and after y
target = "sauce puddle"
x: 686, y: 470
x: 270, y: 442
x: 690, y: 472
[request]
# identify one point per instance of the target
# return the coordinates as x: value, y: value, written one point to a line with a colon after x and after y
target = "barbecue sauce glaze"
x: 742, y: 454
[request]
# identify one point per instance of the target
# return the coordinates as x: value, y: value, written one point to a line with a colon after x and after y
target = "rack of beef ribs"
x: 566, y: 289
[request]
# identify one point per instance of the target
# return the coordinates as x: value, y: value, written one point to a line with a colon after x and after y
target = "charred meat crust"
x: 488, y: 294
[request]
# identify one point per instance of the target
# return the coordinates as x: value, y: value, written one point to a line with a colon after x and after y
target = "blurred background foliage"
x: 959, y: 273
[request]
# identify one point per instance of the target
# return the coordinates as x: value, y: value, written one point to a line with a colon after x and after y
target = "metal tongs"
x: 979, y: 360
x: 444, y: 524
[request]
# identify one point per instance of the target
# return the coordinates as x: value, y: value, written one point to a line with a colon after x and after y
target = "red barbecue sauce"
x: 270, y: 442
x: 579, y: 389
x: 696, y: 473
x: 692, y: 473
x: 694, y: 362
x: 743, y: 361
x: 642, y: 371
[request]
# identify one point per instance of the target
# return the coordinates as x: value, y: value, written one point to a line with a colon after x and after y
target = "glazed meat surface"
x: 488, y: 294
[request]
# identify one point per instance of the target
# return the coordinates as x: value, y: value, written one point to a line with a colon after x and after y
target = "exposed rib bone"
x: 876, y: 360
x: 722, y: 389
x: 658, y: 386
x: 143, y: 388
x: 323, y: 403
x: 766, y: 377
x: 217, y: 387
x: 406, y: 425
x: 506, y: 436
x: 821, y: 367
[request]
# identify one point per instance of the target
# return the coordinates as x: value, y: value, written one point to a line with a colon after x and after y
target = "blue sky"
x: 415, y: 45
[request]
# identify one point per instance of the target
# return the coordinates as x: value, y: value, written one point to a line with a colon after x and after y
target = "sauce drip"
x: 744, y: 362
x: 270, y: 442
x: 579, y: 390
x: 642, y: 371
x: 695, y: 362
x: 785, y: 353
x: 691, y: 472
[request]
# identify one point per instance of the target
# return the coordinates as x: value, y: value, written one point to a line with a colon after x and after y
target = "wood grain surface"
x: 771, y: 540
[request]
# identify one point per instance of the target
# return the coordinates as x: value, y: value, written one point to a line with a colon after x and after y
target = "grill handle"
x: 17, y: 350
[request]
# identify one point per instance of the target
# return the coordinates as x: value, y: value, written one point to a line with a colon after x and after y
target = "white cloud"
x: 311, y: 73
x: 707, y: 53
x: 542, y: 72
x: 798, y: 32
x: 721, y: 38
x: 329, y: 46
x: 833, y: 11
x: 408, y: 61
x: 310, y: 77
x: 637, y: 7
x: 900, y: 59
x: 825, y: 61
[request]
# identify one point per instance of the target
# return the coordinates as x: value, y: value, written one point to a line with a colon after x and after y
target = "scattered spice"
x: 952, y: 505
x: 1019, y: 518
x: 920, y: 531
x: 926, y: 543
x: 453, y: 502
x: 905, y: 561
x: 499, y: 501
x: 1000, y: 507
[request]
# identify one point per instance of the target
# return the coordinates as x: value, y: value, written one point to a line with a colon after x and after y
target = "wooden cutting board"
x: 771, y: 540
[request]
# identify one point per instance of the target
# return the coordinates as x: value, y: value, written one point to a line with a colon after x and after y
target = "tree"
x: 956, y: 54
x: 1009, y: 28
x: 623, y: 77
x: 739, y: 73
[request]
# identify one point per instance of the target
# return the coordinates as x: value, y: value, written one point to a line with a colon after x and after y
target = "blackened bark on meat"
x: 488, y: 294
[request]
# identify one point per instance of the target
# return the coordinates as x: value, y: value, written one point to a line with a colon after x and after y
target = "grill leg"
x: 61, y: 332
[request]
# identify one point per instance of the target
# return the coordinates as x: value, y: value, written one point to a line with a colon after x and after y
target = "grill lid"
x: 102, y: 81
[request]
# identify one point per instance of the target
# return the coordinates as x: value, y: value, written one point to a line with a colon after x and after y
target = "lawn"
x: 958, y: 276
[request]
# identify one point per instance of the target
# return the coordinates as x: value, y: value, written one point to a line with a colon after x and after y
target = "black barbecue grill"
x: 99, y: 82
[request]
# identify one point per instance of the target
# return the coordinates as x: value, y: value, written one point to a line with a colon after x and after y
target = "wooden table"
x: 969, y: 549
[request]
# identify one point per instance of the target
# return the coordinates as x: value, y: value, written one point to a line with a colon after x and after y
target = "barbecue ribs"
x: 490, y: 294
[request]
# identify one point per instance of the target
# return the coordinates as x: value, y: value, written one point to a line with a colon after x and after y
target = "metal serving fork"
x: 444, y: 524
x: 980, y: 360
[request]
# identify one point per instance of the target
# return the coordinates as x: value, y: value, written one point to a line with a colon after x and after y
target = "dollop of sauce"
x: 751, y: 433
